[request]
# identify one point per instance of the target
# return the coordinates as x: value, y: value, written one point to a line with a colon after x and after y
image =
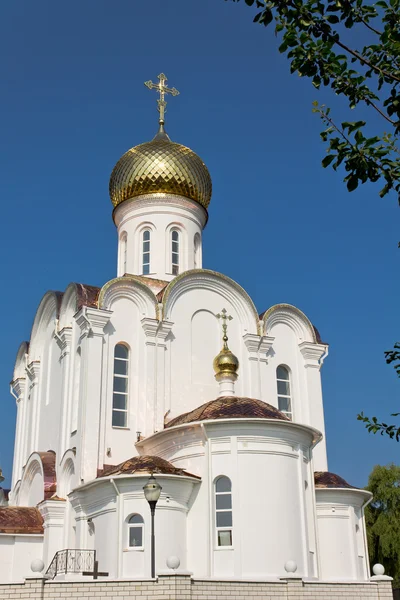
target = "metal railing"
x: 71, y: 561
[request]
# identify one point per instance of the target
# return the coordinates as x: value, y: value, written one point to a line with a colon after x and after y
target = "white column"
x: 161, y: 353
x: 64, y: 338
x: 156, y: 335
x: 33, y: 419
x: 312, y: 354
x: 91, y: 322
x: 257, y: 347
x: 53, y: 513
x: 18, y: 390
x: 150, y: 327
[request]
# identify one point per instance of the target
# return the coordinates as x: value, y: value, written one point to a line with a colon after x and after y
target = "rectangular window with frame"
x: 223, y: 511
x: 120, y: 386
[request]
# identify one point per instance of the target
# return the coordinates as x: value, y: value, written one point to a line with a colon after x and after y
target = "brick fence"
x: 182, y: 587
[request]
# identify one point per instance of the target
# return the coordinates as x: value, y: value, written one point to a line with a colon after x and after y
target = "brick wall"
x: 182, y: 587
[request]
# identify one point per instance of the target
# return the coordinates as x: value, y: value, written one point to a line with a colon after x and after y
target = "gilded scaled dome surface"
x: 160, y: 166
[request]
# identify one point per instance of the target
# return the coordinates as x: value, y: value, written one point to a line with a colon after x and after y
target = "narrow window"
x: 175, y: 252
x: 135, y: 531
x: 120, y: 387
x: 284, y: 395
x: 197, y: 251
x: 146, y: 252
x: 123, y: 253
x: 223, y: 511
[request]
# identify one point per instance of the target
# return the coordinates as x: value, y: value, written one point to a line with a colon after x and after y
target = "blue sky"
x: 73, y: 101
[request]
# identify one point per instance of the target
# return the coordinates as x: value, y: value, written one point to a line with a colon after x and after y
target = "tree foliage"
x: 382, y: 518
x: 315, y: 34
x: 373, y: 425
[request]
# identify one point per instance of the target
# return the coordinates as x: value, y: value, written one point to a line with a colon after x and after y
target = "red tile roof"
x: 143, y: 464
x: 49, y: 470
x: 229, y: 407
x: 87, y: 295
x: 20, y: 519
x: 325, y: 479
x: 157, y: 286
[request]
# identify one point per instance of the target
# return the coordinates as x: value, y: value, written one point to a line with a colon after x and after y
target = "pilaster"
x: 313, y: 355
x: 150, y: 327
x: 33, y: 416
x: 91, y: 322
x: 156, y: 333
x: 18, y: 391
x: 258, y: 347
x: 162, y: 333
x: 53, y: 513
x: 64, y: 339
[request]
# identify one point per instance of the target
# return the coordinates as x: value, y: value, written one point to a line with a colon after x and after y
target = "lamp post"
x: 152, y: 491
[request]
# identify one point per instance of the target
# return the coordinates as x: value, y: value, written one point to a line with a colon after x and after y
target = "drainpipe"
x: 119, y: 549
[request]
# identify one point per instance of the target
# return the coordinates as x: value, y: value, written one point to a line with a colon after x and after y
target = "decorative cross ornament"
x: 224, y: 318
x: 162, y: 90
x: 95, y: 573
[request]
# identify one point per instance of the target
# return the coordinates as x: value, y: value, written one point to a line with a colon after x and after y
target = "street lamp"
x: 152, y: 491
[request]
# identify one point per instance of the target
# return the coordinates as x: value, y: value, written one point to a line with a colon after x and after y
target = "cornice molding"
x: 64, y: 338
x: 18, y: 385
x: 161, y: 202
x: 33, y: 370
x: 312, y: 354
x: 257, y: 343
x: 92, y: 321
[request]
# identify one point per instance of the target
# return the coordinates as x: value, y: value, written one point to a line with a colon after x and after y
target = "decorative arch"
x: 39, y: 480
x: 20, y: 361
x: 15, y: 493
x: 217, y: 282
x: 69, y: 306
x: 129, y: 287
x: 67, y: 473
x: 75, y: 296
x: 293, y: 318
x: 49, y: 308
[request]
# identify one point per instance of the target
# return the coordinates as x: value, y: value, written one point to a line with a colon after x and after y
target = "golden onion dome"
x: 160, y: 166
x: 226, y: 363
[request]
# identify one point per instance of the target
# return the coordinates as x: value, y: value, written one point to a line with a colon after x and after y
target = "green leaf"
x: 327, y: 160
x: 352, y: 183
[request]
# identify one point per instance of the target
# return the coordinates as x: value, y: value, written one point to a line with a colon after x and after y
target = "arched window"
x: 284, y: 395
x: 124, y: 253
x: 146, y: 252
x: 197, y: 251
x: 135, y: 531
x: 175, y: 251
x: 223, y: 511
x: 120, y: 386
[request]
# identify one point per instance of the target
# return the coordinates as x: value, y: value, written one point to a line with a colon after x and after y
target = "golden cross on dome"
x: 162, y: 90
x: 224, y: 318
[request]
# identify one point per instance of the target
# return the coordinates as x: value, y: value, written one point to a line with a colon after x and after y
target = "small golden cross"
x: 224, y: 317
x: 162, y: 90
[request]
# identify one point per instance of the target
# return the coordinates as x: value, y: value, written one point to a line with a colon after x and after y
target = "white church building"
x: 170, y: 370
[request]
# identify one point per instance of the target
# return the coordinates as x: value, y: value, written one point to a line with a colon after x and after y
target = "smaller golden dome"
x: 226, y: 363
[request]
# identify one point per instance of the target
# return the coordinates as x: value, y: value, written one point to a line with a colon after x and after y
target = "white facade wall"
x: 16, y: 554
x: 264, y: 462
x: 342, y: 534
x: 170, y: 369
